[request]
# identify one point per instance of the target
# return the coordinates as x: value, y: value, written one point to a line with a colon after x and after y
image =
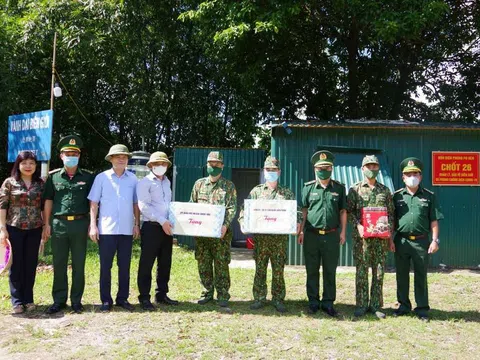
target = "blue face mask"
x: 271, y: 176
x: 70, y: 161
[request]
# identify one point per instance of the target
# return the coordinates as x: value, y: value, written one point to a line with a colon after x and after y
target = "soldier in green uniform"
x: 324, y: 208
x: 270, y: 247
x: 369, y: 252
x: 65, y: 195
x: 416, y: 215
x: 215, y: 190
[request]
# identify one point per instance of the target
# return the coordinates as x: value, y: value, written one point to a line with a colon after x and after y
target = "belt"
x: 321, y: 231
x: 70, y: 217
x: 413, y: 237
x: 153, y: 223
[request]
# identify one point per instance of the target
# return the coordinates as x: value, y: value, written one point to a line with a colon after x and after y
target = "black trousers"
x: 155, y: 244
x: 25, y: 244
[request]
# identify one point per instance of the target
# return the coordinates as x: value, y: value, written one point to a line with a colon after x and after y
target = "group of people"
x: 73, y: 203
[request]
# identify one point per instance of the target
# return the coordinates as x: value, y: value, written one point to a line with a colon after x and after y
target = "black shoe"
x: 204, y: 300
x: 313, y: 309
x: 125, y: 305
x: 223, y: 303
x: 147, y: 305
x: 167, y: 301
x: 330, y: 311
x: 280, y: 306
x: 359, y: 312
x: 399, y: 312
x: 55, y: 308
x: 423, y: 317
x: 77, y: 308
x: 105, y: 307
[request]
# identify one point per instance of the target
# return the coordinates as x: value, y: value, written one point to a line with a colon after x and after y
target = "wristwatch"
x: 437, y: 241
x: 2, y: 227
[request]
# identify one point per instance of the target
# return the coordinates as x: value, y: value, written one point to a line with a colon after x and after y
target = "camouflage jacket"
x: 262, y: 191
x: 221, y: 192
x: 361, y: 195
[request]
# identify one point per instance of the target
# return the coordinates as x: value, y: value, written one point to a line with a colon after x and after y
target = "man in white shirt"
x: 154, y: 197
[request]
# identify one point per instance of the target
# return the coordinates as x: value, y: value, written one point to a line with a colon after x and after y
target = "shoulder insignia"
x: 397, y: 191
x: 88, y: 171
x: 54, y: 171
x: 429, y: 191
x: 338, y: 183
x: 310, y: 182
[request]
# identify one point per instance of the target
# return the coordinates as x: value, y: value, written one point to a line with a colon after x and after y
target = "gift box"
x: 375, y: 222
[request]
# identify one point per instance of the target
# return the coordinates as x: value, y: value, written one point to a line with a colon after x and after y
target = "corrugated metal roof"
x: 378, y: 124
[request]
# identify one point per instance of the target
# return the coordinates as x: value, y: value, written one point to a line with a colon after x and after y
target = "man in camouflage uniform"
x: 270, y: 247
x: 324, y: 207
x: 369, y: 252
x: 215, y: 190
x: 416, y: 215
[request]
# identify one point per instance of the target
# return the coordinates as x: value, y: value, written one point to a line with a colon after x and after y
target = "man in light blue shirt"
x: 114, y: 191
x: 154, y: 197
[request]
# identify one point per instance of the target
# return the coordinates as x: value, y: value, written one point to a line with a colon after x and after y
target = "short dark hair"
x: 25, y: 155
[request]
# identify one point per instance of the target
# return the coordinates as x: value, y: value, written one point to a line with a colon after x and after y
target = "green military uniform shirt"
x: 361, y: 195
x: 414, y: 213
x: 69, y: 195
x: 221, y: 192
x: 323, y: 204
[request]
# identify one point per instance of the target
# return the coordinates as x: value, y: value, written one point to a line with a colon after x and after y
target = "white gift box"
x: 192, y: 219
x: 270, y: 217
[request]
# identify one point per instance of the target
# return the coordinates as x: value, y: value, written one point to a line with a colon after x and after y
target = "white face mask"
x: 159, y: 170
x: 412, y: 181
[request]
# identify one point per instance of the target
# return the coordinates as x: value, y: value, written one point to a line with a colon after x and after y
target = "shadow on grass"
x: 296, y: 309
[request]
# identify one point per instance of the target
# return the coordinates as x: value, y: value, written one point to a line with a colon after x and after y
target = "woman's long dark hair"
x: 26, y: 155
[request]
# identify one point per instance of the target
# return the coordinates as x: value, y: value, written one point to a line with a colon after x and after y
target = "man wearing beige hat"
x: 154, y: 197
x: 115, y: 191
x: 213, y: 254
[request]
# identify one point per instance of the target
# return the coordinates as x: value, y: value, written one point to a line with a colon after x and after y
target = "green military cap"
x: 411, y: 164
x: 215, y: 156
x: 118, y: 149
x: 70, y: 143
x: 322, y: 157
x: 272, y: 163
x: 370, y: 159
x: 157, y: 157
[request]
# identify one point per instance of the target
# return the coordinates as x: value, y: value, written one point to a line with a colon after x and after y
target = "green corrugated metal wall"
x: 189, y: 164
x: 459, y: 232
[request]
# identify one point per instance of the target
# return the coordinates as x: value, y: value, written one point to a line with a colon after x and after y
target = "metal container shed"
x: 242, y: 166
x: 394, y: 141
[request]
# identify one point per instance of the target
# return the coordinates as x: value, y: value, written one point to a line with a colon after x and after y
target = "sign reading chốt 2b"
x: 451, y: 168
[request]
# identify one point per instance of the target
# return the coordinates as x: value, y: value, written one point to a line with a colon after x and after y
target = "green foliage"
x: 206, y: 73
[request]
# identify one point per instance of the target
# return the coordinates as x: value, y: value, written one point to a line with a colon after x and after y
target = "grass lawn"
x: 193, y: 331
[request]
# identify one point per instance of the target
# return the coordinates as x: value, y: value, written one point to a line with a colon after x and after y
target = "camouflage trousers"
x: 213, y: 256
x: 273, y: 248
x: 371, y: 252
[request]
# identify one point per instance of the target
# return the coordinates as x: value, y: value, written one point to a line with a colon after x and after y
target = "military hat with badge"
x: 70, y: 143
x: 411, y: 164
x: 322, y: 157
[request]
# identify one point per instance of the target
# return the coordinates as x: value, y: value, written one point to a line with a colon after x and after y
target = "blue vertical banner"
x: 33, y: 132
